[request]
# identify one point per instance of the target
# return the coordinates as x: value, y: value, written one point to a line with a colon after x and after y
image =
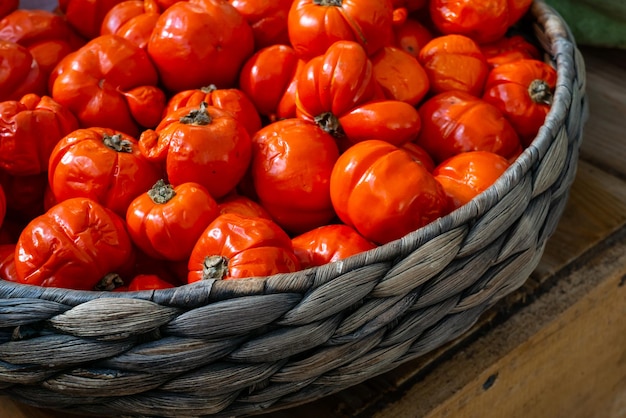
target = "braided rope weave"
x: 239, y: 347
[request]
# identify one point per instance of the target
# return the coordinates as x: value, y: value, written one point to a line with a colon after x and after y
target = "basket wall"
x: 231, y: 348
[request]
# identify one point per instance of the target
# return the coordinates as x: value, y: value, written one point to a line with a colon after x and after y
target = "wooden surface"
x: 555, y: 348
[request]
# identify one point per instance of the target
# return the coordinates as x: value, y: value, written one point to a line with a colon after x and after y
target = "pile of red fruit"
x: 151, y: 143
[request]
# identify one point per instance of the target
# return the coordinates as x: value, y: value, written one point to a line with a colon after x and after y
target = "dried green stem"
x: 198, y: 116
x: 214, y: 267
x: 540, y: 92
x: 208, y: 89
x: 330, y: 123
x: 328, y: 2
x: 109, y: 282
x: 161, y: 192
x: 116, y: 143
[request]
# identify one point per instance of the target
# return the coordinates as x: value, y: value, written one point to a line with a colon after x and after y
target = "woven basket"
x: 240, y: 347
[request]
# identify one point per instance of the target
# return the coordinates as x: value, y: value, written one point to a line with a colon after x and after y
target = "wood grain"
x: 11, y: 409
x: 603, y: 143
x: 595, y: 210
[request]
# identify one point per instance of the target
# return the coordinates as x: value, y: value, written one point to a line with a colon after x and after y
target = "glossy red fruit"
x: 329, y: 243
x: 455, y: 122
x: 382, y: 192
x: 73, y: 245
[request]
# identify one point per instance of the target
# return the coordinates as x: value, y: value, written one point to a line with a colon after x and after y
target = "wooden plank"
x: 562, y: 356
x: 603, y: 142
x: 595, y: 210
x: 11, y: 409
x: 15, y: 410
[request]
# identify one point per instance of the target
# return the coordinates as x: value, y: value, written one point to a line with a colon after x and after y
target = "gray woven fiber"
x: 240, y: 347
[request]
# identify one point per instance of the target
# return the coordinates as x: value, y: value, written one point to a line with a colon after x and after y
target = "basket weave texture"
x: 240, y: 347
